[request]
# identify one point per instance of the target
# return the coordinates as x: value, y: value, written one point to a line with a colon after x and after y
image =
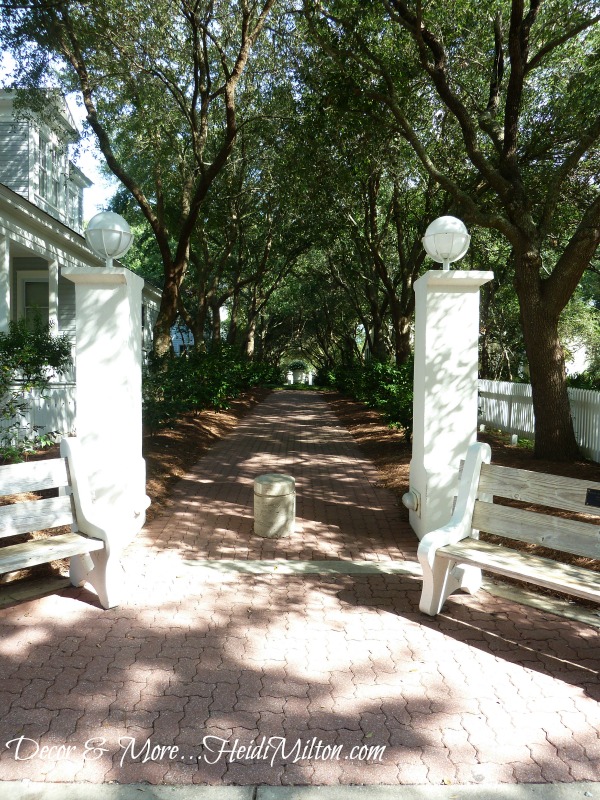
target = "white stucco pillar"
x: 4, y: 283
x: 445, y: 390
x: 109, y: 386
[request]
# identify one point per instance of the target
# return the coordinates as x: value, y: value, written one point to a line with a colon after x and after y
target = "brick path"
x: 488, y: 692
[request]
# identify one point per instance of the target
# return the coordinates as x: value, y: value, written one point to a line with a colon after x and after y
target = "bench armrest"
x: 87, y: 517
x: 440, y: 578
x: 460, y: 524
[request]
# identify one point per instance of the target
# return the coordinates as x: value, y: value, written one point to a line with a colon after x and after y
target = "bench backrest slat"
x: 566, y: 535
x: 33, y: 476
x: 570, y: 494
x: 36, y: 515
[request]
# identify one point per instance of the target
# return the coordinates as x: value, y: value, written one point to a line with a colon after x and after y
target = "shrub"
x: 174, y: 385
x: 585, y: 380
x: 380, y: 385
x: 29, y: 355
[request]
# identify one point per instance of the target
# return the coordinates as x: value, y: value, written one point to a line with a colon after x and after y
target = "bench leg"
x: 79, y: 569
x: 469, y: 577
x: 444, y: 578
x: 438, y: 585
x: 104, y: 574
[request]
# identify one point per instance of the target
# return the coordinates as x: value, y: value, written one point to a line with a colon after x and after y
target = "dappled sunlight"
x: 213, y: 640
x: 214, y: 514
x: 33, y: 638
x: 347, y: 659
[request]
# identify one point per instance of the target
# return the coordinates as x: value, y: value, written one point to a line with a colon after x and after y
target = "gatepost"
x: 109, y: 388
x: 445, y: 390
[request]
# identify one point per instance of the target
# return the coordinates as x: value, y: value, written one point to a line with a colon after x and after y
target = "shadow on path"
x: 488, y: 692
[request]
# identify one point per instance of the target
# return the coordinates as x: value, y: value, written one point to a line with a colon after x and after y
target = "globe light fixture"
x: 109, y: 236
x: 446, y: 240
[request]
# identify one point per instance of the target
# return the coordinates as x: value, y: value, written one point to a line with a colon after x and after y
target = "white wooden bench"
x: 93, y: 557
x: 452, y: 557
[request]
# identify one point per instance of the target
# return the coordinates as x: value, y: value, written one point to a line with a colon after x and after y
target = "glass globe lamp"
x: 446, y: 240
x: 109, y: 236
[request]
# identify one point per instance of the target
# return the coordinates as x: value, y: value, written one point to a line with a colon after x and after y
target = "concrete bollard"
x: 274, y: 505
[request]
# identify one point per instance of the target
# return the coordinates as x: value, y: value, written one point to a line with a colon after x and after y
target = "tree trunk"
x: 232, y: 329
x: 378, y: 346
x: 215, y: 314
x: 402, y: 348
x: 554, y: 434
x: 200, y: 324
x: 485, y: 361
x: 251, y: 337
x: 165, y: 320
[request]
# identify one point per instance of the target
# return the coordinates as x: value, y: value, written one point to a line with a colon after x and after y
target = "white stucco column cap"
x: 98, y: 276
x: 456, y: 280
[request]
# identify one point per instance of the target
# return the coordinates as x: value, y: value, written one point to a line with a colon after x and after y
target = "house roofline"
x: 29, y: 216
x: 57, y: 109
x: 85, y: 181
x: 32, y: 214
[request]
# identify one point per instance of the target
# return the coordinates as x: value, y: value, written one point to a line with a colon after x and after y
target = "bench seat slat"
x: 40, y: 551
x: 566, y: 535
x: 55, y: 512
x: 35, y: 515
x: 513, y: 564
x: 33, y: 476
x: 553, y: 491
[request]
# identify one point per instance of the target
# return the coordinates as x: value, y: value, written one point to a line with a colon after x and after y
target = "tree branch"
x: 586, y: 141
x: 433, y: 60
x: 558, y: 41
x: 559, y: 287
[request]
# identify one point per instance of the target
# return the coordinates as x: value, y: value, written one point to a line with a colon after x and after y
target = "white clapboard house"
x: 41, y: 232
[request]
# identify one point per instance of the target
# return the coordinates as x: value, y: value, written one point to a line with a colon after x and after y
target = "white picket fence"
x: 509, y: 407
x: 50, y: 410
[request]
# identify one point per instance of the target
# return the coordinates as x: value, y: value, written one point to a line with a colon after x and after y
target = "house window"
x: 49, y: 171
x: 33, y: 296
x: 75, y: 208
x: 43, y: 166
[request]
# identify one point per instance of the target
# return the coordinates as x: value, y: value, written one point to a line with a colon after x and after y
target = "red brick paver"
x: 318, y: 665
